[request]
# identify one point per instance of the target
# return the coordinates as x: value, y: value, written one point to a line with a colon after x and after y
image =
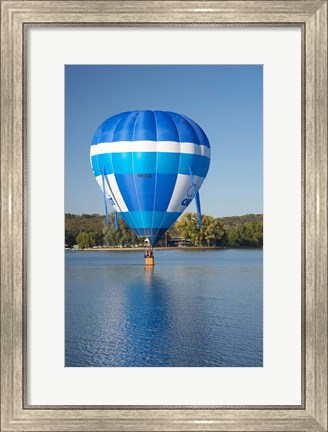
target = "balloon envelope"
x: 151, y: 163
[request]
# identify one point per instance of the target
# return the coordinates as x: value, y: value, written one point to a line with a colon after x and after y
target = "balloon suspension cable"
x: 104, y: 191
x: 115, y: 219
x: 197, y: 199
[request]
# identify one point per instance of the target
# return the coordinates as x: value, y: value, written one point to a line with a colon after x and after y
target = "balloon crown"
x: 150, y: 125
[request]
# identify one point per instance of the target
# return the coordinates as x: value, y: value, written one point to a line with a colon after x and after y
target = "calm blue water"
x: 196, y: 308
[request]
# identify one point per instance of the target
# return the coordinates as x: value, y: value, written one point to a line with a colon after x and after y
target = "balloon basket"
x: 149, y: 261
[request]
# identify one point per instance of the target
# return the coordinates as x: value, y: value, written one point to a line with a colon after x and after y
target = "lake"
x: 196, y: 308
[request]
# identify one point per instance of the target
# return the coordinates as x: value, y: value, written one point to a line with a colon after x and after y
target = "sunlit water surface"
x: 196, y: 308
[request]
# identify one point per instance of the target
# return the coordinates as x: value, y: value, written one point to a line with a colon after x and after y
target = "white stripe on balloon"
x: 183, y: 192
x: 149, y: 146
x: 116, y: 196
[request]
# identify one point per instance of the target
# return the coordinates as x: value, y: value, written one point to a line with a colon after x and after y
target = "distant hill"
x: 231, y: 221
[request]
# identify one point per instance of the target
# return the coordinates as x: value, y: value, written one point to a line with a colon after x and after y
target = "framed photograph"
x: 178, y: 150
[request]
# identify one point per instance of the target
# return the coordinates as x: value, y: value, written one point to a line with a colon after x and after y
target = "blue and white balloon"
x: 150, y: 165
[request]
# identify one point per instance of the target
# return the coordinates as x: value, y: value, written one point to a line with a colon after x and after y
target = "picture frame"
x: 17, y: 16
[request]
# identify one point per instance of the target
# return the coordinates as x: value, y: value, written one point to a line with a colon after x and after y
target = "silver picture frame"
x: 16, y: 18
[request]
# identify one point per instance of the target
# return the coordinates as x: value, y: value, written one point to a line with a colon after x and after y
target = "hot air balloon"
x: 150, y: 165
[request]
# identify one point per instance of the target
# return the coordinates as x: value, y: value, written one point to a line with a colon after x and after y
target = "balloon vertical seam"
x: 136, y: 227
x: 156, y: 171
x: 134, y: 179
x: 158, y: 229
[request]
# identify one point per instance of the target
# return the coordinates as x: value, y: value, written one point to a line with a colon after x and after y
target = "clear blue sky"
x: 226, y: 101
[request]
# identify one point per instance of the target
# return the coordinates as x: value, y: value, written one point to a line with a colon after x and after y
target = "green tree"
x: 249, y: 234
x: 211, y: 233
x: 252, y: 234
x: 86, y: 239
x: 233, y: 236
x: 70, y: 238
x: 187, y: 227
x: 74, y: 224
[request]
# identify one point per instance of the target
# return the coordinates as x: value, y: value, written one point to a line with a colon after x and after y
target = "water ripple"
x: 194, y: 309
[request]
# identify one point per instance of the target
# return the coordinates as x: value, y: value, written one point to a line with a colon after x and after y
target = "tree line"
x: 236, y: 231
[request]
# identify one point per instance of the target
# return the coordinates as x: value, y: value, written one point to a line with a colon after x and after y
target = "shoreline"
x: 142, y: 249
